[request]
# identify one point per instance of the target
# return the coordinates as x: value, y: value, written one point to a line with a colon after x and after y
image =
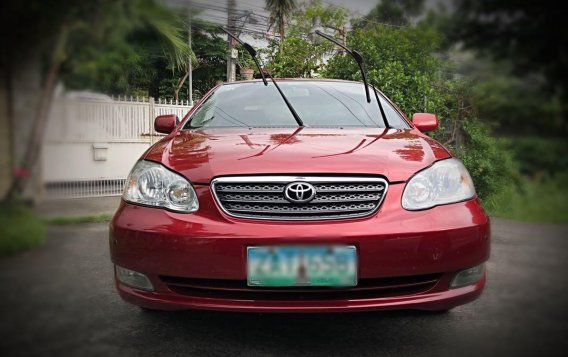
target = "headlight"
x: 150, y: 183
x: 446, y: 181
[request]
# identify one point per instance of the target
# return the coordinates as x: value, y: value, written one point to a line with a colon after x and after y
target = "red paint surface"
x: 208, y: 244
x: 425, y: 122
x: 203, y: 154
x: 165, y: 123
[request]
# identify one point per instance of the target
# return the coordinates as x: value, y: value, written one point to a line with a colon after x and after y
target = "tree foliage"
x: 280, y: 11
x: 300, y: 55
x: 530, y: 35
x: 406, y: 65
x: 489, y: 163
x: 393, y: 12
x: 77, y: 29
x: 298, y: 58
x: 129, y: 49
x: 399, y: 62
x: 328, y: 16
x: 211, y: 52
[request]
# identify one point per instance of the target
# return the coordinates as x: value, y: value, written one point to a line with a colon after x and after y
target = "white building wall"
x: 90, y: 143
x: 75, y: 161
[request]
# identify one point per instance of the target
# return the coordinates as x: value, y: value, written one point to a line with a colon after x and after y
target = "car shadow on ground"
x: 297, y: 334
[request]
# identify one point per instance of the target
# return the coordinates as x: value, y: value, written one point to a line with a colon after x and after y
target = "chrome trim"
x: 298, y: 188
x: 283, y: 179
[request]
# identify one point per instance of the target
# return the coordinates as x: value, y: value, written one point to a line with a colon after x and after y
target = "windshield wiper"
x: 253, y: 53
x: 359, y: 59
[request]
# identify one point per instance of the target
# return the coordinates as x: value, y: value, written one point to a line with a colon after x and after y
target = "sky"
x: 360, y: 7
x: 256, y: 25
x: 257, y: 22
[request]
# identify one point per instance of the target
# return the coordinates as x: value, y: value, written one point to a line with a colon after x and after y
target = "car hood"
x: 201, y: 155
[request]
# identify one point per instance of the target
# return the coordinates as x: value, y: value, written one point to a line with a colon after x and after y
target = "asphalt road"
x: 59, y: 300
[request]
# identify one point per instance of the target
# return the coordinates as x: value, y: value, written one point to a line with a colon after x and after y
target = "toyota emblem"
x: 299, y: 192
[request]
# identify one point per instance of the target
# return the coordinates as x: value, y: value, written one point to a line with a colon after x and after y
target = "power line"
x: 369, y: 21
x: 224, y: 9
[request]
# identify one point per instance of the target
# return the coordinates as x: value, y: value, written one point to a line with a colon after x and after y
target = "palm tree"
x: 56, y: 36
x: 279, y: 11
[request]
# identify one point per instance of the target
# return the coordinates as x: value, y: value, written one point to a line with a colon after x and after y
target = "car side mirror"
x: 425, y: 121
x: 165, y: 124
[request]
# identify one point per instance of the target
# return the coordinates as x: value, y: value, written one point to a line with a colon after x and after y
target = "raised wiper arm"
x: 359, y: 59
x: 356, y: 55
x: 250, y: 50
x: 253, y: 53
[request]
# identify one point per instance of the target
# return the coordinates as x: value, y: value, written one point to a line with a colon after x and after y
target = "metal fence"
x: 73, y: 120
x: 79, y: 189
x: 90, y: 145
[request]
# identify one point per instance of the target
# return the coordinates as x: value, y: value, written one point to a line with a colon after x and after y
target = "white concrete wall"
x: 75, y: 161
x: 76, y: 127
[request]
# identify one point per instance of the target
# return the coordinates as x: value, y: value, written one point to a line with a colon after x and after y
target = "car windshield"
x: 318, y: 103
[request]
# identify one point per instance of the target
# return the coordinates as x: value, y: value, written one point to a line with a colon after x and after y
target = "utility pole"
x: 190, y: 65
x: 231, y: 55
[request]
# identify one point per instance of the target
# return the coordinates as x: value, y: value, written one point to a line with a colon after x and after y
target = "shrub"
x: 489, y: 163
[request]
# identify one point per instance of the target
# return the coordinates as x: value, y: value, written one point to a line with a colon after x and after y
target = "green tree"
x: 280, y: 10
x: 399, y: 61
x: 393, y: 12
x: 59, y: 30
x: 327, y: 16
x: 296, y: 57
x: 300, y: 55
x: 528, y: 34
x: 210, y: 50
x: 132, y: 51
x: 406, y: 65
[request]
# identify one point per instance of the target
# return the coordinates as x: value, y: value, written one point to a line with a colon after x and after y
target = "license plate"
x: 334, y: 265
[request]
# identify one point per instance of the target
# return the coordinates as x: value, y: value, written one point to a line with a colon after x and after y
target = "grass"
x: 536, y: 200
x: 103, y: 217
x: 20, y: 229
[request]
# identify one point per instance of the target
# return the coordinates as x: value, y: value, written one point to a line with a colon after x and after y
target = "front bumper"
x: 210, y: 246
x: 434, y: 300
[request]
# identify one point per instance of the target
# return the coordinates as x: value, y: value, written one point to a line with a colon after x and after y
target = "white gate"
x: 91, y: 145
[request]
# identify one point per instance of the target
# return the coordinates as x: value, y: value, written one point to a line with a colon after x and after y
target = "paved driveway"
x: 59, y: 300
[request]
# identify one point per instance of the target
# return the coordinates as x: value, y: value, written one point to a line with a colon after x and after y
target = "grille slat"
x: 251, y: 197
x: 278, y: 198
x: 263, y: 197
x: 286, y: 208
x: 348, y: 188
x: 238, y: 289
x: 250, y: 188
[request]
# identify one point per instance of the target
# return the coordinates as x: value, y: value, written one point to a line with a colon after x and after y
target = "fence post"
x: 152, y: 115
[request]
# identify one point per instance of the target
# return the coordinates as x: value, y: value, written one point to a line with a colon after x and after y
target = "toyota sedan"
x: 298, y: 196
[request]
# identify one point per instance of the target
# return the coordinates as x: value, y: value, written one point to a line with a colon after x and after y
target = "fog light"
x: 133, y: 279
x: 468, y: 276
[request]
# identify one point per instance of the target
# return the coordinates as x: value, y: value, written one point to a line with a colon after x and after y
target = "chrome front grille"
x: 263, y: 197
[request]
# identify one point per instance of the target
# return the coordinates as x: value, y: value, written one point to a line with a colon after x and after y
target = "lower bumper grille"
x: 299, y: 198
x: 238, y: 289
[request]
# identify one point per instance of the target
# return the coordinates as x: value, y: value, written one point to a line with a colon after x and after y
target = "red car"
x: 299, y: 197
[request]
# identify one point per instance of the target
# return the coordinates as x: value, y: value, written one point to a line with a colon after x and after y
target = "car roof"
x: 294, y: 79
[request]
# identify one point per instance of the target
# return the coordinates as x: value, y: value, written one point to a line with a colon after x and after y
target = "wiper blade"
x: 253, y: 54
x: 249, y: 49
x: 359, y: 59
